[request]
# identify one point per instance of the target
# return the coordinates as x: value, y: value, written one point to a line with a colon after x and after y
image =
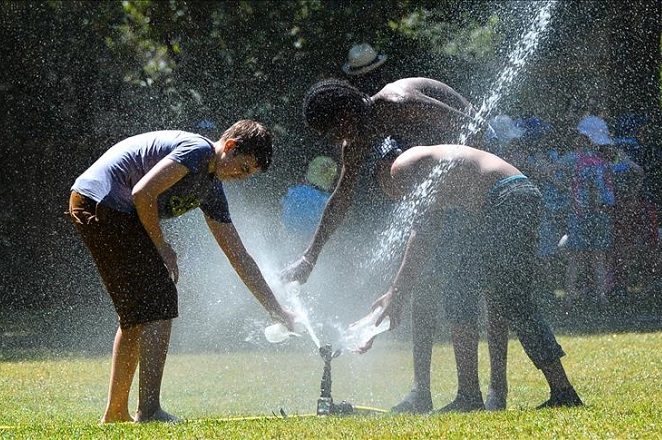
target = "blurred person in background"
x: 589, y: 217
x: 303, y: 204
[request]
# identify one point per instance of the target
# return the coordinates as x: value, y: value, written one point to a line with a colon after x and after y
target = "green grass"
x: 233, y: 395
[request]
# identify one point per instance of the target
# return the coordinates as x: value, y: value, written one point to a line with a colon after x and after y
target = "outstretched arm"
x: 392, y: 302
x: 433, y: 91
x: 412, y: 265
x: 336, y: 208
x: 417, y: 255
x: 228, y: 239
x: 333, y: 215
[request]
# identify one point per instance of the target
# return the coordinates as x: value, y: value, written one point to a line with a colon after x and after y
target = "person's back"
x: 111, y: 179
x: 467, y: 174
x: 420, y: 111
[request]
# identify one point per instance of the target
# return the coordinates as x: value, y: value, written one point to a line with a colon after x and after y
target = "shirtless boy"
x: 509, y: 206
x: 411, y: 111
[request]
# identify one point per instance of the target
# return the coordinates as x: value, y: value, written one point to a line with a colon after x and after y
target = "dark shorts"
x: 129, y: 264
x: 456, y: 256
x: 511, y: 264
x: 450, y: 282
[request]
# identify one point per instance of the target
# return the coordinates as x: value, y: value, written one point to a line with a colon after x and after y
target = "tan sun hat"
x: 362, y: 58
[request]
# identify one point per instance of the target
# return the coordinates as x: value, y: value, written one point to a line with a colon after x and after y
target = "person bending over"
x: 116, y: 206
x: 509, y: 206
x: 411, y: 111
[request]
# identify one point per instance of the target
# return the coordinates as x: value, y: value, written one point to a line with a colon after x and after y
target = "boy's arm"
x: 145, y: 193
x: 334, y: 213
x: 228, y: 239
x: 416, y: 255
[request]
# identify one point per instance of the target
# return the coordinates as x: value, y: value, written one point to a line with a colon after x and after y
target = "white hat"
x: 362, y: 58
x: 596, y: 129
x: 505, y: 128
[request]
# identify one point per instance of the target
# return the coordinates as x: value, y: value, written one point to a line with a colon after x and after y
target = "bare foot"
x: 496, y: 400
x: 157, y: 416
x: 116, y: 418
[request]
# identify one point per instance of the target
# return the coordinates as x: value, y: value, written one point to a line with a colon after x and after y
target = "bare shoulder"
x: 392, y: 92
x: 420, y: 83
x: 424, y: 157
x: 409, y: 85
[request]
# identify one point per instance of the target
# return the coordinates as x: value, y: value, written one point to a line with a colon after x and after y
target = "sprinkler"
x: 325, y: 405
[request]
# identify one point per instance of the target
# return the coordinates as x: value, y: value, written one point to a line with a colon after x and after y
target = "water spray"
x: 423, y: 196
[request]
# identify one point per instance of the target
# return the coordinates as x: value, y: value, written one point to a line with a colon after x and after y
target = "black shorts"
x: 129, y: 264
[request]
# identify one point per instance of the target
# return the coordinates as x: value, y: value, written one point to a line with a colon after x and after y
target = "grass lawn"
x: 235, y: 394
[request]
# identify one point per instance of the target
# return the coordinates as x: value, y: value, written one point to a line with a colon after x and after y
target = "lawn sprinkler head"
x: 327, y: 353
x: 325, y: 405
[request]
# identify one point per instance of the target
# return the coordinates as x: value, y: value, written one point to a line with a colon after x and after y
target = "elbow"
x: 140, y: 196
x: 137, y: 195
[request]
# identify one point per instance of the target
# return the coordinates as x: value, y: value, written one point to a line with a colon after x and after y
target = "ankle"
x: 562, y: 390
x: 470, y: 395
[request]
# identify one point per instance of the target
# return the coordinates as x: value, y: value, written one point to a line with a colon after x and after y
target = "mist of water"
x: 424, y: 195
x: 222, y: 312
x: 291, y: 299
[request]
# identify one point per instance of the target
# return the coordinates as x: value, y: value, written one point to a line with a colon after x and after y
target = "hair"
x: 252, y: 138
x: 326, y: 99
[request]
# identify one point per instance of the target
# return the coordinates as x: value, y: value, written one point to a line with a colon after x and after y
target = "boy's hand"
x: 298, y: 270
x: 288, y: 318
x: 391, y: 307
x: 367, y: 346
x: 170, y: 260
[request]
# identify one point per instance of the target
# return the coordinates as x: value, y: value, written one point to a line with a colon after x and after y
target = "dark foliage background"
x: 78, y: 76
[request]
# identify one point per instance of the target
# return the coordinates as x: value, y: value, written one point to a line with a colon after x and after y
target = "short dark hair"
x: 326, y: 99
x: 252, y: 138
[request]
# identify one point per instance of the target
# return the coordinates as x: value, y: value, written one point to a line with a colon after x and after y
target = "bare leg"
x: 422, y: 335
x: 497, y: 343
x: 153, y: 351
x: 419, y: 399
x: 562, y: 393
x: 123, y: 367
x: 465, y: 347
x: 556, y: 376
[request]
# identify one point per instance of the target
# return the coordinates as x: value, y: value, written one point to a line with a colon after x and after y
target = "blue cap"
x: 206, y: 124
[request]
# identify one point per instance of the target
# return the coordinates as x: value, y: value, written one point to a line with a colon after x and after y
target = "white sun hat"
x: 362, y: 58
x: 505, y: 128
x: 596, y: 129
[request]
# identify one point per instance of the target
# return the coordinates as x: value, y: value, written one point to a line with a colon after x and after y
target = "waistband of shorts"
x: 504, y: 182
